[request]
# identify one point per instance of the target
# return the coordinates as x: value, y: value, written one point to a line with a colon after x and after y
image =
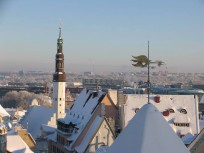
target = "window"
x: 58, y: 138
x: 171, y: 110
x: 70, y: 129
x: 182, y: 124
x: 54, y: 149
x: 58, y: 150
x: 183, y: 111
x: 136, y: 110
x: 59, y: 65
x: 62, y: 140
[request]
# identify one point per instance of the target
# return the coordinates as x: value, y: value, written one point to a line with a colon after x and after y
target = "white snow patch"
x: 35, y: 117
x: 3, y: 112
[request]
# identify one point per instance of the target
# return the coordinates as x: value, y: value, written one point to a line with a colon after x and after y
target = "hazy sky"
x: 101, y: 33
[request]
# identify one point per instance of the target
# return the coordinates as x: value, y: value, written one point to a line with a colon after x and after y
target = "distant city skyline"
x: 101, y: 35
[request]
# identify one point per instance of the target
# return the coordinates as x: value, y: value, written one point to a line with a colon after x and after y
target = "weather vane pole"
x: 144, y: 61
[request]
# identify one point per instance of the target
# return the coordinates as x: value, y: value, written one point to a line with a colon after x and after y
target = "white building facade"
x: 180, y: 111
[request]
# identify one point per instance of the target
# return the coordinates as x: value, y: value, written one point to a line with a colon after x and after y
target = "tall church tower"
x: 59, y: 80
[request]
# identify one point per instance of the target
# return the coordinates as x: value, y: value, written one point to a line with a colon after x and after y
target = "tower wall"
x: 59, y: 98
x: 59, y: 81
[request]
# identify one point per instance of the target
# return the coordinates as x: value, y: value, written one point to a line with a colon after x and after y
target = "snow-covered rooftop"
x: 48, y: 128
x: 177, y: 103
x: 82, y: 110
x: 3, y: 112
x: 16, y: 145
x: 20, y: 113
x: 35, y: 117
x: 148, y: 132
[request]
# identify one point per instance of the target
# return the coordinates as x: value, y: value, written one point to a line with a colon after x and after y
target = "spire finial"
x: 60, y: 29
x: 60, y: 32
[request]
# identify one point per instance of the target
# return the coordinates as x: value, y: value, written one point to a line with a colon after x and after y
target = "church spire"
x: 59, y: 75
x: 59, y: 80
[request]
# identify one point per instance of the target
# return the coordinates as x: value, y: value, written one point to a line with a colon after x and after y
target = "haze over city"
x: 101, y: 35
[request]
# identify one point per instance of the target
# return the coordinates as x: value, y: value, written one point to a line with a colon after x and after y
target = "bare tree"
x: 23, y: 99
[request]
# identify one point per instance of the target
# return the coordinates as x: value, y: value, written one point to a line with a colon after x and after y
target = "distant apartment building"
x: 88, y: 73
x: 103, y: 83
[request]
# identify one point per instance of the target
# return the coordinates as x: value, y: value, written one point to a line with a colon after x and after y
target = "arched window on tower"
x: 59, y: 65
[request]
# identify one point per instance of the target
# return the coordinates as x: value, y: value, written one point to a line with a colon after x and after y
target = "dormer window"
x: 183, y: 111
x: 68, y: 143
x: 182, y: 124
x: 171, y: 110
x: 136, y: 110
x: 68, y: 128
x: 95, y: 94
